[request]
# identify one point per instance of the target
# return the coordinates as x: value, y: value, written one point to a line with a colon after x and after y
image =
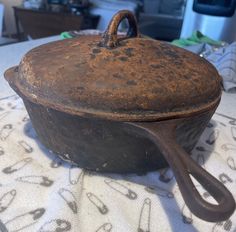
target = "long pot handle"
x: 110, y: 38
x: 164, y: 136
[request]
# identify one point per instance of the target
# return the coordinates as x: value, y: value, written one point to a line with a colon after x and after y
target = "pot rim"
x: 129, y: 115
x: 11, y: 74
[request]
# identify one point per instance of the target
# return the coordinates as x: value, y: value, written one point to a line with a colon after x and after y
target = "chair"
x: 42, y: 23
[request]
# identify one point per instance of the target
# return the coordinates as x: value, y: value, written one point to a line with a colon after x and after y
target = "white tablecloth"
x: 39, y: 192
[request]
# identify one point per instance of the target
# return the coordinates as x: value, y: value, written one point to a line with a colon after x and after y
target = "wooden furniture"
x: 39, y: 23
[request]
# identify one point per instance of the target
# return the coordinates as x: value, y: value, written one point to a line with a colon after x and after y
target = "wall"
x: 9, y: 15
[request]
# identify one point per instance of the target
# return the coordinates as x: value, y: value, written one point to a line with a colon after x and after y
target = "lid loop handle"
x: 110, y: 38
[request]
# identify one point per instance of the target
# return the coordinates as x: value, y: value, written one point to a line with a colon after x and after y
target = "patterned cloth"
x: 41, y: 193
x: 224, y: 59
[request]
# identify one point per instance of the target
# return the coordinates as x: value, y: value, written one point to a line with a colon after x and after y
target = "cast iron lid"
x: 131, y: 78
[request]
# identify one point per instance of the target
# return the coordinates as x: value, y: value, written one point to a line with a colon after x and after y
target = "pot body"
x: 108, y: 146
x: 129, y: 123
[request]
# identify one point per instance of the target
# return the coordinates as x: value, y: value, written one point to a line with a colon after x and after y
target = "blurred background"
x: 160, y: 19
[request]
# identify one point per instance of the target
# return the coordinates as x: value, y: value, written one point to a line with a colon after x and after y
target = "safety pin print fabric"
x: 42, y: 193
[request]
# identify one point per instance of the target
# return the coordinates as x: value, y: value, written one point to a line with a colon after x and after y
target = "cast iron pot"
x: 123, y: 105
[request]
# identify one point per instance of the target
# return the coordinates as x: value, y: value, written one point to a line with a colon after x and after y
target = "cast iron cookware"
x: 124, y: 104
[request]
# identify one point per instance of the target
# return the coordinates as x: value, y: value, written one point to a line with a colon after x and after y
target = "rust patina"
x: 125, y: 104
x: 130, y: 79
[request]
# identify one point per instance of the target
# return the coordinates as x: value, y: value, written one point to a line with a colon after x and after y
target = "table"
x: 39, y: 192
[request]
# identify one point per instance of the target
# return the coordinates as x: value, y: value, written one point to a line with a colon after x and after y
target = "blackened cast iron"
x: 124, y: 105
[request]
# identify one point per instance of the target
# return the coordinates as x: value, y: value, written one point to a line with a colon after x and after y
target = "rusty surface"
x: 70, y: 88
x: 108, y: 146
x: 139, y: 79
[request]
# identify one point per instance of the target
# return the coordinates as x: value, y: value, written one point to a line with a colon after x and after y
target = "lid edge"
x: 129, y: 116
